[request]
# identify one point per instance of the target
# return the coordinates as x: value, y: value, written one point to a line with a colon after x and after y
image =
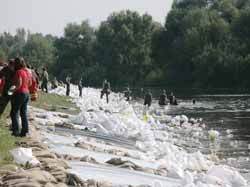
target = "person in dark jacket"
x: 105, y: 90
x: 127, y: 93
x: 80, y: 87
x: 148, y: 99
x: 7, y: 74
x: 163, y: 98
x: 172, y: 99
x: 68, y: 79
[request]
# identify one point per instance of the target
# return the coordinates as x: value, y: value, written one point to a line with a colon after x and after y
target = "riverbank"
x: 158, y: 138
x: 118, y: 144
x: 51, y: 170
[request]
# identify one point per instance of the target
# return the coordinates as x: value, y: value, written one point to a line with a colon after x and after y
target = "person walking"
x: 6, y: 76
x: 19, y: 101
x: 68, y: 79
x: 45, y: 80
x: 105, y: 90
x: 80, y: 87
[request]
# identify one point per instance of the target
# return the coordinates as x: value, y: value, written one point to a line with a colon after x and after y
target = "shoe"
x: 15, y: 134
x: 22, y: 135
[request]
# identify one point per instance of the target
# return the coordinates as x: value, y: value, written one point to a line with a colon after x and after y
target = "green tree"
x: 75, y: 52
x: 124, y: 47
x: 39, y: 51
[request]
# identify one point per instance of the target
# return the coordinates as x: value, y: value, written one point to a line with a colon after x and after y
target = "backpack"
x: 34, y: 87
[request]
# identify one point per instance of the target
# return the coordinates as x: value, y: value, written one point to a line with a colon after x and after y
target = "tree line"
x: 203, y: 44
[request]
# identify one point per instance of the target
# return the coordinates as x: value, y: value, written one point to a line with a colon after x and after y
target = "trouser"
x: 44, y: 86
x: 4, y: 100
x: 19, y: 103
x: 162, y: 103
x: 147, y: 103
x: 106, y: 93
x: 67, y: 90
x: 80, y: 92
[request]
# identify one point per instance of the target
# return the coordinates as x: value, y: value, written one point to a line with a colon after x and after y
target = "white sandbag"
x: 23, y: 156
x: 228, y: 176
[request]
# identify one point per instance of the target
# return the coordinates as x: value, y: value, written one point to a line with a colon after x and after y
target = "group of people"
x: 163, y: 99
x: 18, y: 83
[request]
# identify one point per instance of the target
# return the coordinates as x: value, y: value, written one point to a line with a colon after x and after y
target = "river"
x: 227, y: 114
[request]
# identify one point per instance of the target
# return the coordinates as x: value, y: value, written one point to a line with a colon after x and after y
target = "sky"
x: 51, y: 16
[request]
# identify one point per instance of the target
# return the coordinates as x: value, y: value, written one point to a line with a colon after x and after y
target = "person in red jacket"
x: 19, y: 101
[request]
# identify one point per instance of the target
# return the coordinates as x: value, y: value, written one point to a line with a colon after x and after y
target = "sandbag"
x: 23, y: 156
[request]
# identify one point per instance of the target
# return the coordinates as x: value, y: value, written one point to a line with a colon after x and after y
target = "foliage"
x: 124, y: 47
x: 39, y: 51
x: 207, y: 44
x: 204, y: 43
x: 75, y: 52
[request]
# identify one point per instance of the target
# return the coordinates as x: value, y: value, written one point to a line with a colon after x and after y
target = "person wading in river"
x: 172, y: 99
x: 127, y: 93
x: 163, y: 98
x: 148, y: 98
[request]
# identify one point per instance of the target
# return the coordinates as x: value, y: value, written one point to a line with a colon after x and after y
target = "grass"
x: 7, y: 142
x: 53, y: 102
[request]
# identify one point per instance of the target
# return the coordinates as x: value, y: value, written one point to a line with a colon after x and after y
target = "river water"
x: 227, y: 114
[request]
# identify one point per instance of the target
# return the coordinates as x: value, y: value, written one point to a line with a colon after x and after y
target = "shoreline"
x: 84, y: 152
x: 52, y: 170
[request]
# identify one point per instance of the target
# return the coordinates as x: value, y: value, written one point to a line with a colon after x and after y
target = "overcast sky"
x: 51, y: 16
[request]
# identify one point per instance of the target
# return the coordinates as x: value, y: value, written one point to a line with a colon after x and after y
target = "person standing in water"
x: 194, y: 101
x: 163, y: 98
x: 127, y: 93
x: 80, y: 87
x: 148, y: 99
x: 105, y: 90
x: 172, y: 99
x: 68, y: 79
